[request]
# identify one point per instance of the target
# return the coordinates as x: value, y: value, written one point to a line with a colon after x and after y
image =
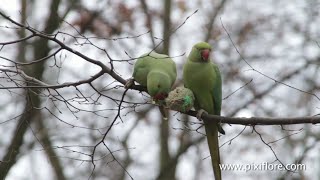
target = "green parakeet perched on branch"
x: 203, y: 78
x: 158, y: 73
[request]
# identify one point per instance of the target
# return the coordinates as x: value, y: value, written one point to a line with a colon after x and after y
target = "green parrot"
x: 203, y: 78
x: 158, y: 73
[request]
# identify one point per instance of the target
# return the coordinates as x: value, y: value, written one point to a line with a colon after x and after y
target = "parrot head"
x: 159, y: 85
x: 200, y: 52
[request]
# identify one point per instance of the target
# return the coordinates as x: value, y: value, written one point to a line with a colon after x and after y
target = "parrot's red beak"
x: 160, y: 96
x: 205, y: 54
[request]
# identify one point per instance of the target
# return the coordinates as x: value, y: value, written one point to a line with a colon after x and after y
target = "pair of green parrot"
x: 158, y: 73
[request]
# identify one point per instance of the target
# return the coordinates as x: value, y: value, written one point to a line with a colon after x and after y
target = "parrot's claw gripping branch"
x: 200, y: 113
x: 129, y: 83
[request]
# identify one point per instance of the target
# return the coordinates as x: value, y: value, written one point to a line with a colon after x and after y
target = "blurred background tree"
x: 57, y: 131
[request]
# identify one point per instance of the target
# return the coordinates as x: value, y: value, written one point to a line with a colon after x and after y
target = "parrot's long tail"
x: 213, y: 143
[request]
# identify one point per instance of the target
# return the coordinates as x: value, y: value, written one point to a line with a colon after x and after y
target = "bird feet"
x: 199, y: 114
x: 129, y: 83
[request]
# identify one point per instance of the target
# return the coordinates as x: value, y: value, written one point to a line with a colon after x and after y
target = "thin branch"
x: 261, y: 73
x: 17, y: 41
x: 270, y: 147
x: 104, y: 137
x: 237, y: 89
x: 105, y: 68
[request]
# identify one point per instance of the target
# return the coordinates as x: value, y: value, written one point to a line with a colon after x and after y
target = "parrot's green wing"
x: 141, y: 70
x: 217, y: 91
x: 217, y: 94
x: 152, y: 62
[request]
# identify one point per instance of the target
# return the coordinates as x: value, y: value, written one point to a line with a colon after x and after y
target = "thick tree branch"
x: 173, y: 162
x: 164, y: 129
x: 259, y: 120
x: 213, y: 18
x: 105, y: 69
x: 149, y: 20
x: 41, y: 49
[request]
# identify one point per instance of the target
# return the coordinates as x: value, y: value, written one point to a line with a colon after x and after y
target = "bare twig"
x: 265, y: 75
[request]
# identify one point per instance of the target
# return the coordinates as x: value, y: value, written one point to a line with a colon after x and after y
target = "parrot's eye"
x: 159, y: 86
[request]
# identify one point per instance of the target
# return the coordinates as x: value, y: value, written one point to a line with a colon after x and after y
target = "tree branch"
x: 259, y: 120
x: 149, y: 20
x: 213, y: 18
x: 104, y: 68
